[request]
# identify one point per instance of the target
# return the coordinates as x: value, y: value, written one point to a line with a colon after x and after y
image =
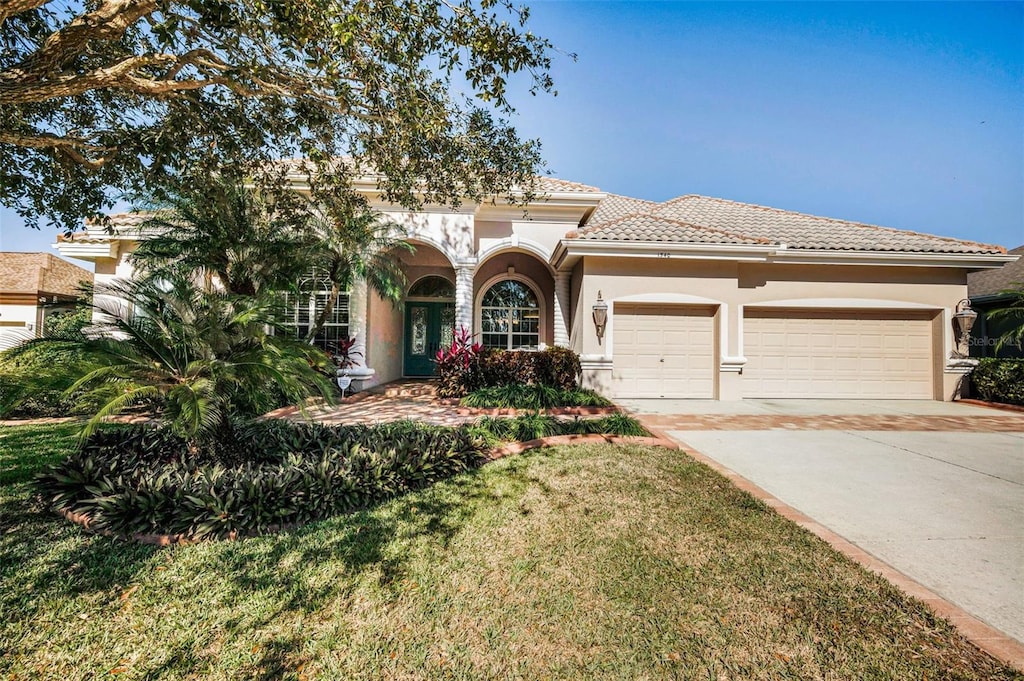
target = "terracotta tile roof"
x: 553, y: 184
x: 35, y: 272
x: 646, y: 227
x: 991, y: 282
x: 615, y: 206
x: 120, y: 220
x: 761, y: 224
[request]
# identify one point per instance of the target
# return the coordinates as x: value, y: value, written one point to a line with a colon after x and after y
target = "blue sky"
x: 909, y: 115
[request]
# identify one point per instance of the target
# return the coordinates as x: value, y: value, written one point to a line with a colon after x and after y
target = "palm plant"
x: 219, y: 227
x: 349, y: 243
x: 1012, y: 310
x: 202, y: 359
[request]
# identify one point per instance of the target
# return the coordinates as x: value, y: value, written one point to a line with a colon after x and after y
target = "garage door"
x: 837, y: 354
x: 663, y: 351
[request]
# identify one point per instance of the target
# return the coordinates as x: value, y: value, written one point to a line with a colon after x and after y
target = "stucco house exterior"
x: 33, y: 286
x: 707, y: 298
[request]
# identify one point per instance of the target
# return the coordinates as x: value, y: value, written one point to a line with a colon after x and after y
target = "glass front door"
x: 428, y: 328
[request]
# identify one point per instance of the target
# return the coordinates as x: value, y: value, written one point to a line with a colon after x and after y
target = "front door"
x: 428, y: 328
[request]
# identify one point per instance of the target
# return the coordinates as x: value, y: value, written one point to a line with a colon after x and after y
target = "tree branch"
x: 8, y: 8
x: 71, y: 147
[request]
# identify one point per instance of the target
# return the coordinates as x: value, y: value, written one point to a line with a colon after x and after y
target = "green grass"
x: 533, y: 397
x: 564, y: 563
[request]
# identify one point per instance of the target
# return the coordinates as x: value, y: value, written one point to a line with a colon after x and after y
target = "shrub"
x: 458, y: 366
x: 467, y: 366
x: 518, y: 396
x: 999, y: 380
x: 146, y: 480
x: 35, y: 375
x: 558, y: 367
x: 533, y: 426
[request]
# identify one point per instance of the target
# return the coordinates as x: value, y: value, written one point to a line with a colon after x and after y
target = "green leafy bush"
x: 533, y: 426
x: 146, y: 480
x: 518, y: 396
x: 558, y: 367
x: 466, y: 367
x: 999, y: 380
x: 35, y: 375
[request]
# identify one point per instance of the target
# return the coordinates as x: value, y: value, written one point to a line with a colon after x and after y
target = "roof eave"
x: 569, y: 251
x: 918, y: 259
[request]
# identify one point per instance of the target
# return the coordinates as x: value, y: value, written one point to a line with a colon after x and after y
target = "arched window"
x: 432, y: 287
x: 510, y: 317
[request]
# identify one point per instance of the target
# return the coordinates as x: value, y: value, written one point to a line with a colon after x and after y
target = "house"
x: 985, y: 289
x: 32, y: 287
x: 705, y: 297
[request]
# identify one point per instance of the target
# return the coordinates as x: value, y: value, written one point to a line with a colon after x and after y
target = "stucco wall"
x: 383, y: 340
x: 733, y: 286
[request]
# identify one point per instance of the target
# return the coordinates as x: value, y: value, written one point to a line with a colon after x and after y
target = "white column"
x: 464, y: 297
x: 561, y: 316
x: 357, y: 306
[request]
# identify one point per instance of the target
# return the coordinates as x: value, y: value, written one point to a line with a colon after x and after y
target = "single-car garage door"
x: 837, y: 354
x: 663, y: 351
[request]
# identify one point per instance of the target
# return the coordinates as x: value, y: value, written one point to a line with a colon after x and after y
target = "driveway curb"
x: 985, y: 637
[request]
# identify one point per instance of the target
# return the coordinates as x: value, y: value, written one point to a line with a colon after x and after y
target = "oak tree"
x: 101, y: 99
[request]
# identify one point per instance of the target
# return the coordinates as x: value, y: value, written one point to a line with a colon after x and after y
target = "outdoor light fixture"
x: 964, y: 319
x: 600, y: 316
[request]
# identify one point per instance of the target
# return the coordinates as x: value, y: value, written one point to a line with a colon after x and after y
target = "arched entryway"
x: 513, y: 302
x: 429, y: 322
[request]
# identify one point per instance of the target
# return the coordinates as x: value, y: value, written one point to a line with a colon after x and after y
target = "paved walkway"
x: 936, y: 490
x: 413, y: 399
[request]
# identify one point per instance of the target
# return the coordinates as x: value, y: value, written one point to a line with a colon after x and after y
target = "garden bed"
x: 145, y: 484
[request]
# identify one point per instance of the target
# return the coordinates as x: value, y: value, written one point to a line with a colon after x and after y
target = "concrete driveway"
x: 936, y: 490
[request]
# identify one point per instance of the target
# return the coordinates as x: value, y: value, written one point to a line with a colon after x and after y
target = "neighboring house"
x: 32, y: 287
x: 985, y: 290
x: 707, y: 298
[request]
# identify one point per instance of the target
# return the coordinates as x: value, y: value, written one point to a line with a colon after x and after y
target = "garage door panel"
x: 842, y: 354
x: 663, y: 351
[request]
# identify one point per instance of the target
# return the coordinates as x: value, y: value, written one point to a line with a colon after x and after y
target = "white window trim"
x: 529, y: 283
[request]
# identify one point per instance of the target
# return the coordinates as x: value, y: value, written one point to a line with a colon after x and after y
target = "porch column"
x: 357, y: 319
x: 464, y: 297
x: 561, y: 330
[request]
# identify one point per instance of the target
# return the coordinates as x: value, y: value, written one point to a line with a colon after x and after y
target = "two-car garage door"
x: 837, y: 354
x: 671, y: 351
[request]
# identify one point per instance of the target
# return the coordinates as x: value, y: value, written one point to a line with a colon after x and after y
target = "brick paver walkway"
x: 1006, y: 423
x: 412, y: 399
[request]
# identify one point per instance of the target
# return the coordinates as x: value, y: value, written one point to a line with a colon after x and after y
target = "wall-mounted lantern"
x: 963, y: 321
x: 600, y: 317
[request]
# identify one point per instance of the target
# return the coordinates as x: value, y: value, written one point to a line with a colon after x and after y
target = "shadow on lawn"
x: 325, y: 560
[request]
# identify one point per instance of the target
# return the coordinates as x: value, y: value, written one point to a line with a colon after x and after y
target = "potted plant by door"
x: 344, y: 355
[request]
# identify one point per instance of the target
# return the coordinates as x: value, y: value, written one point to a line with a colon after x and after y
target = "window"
x: 432, y: 287
x: 301, y: 311
x: 510, y: 317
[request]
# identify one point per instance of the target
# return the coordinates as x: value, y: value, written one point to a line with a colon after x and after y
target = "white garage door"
x: 663, y: 351
x: 837, y: 354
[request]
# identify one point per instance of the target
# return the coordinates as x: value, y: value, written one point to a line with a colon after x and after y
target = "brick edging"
x: 552, y: 411
x: 992, y: 405
x: 983, y: 636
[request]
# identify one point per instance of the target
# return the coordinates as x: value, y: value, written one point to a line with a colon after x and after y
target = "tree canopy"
x: 106, y: 99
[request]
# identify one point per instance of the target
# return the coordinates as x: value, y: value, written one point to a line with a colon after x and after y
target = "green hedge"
x: 999, y: 380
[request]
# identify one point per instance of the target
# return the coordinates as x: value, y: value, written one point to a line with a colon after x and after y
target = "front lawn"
x: 566, y: 563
